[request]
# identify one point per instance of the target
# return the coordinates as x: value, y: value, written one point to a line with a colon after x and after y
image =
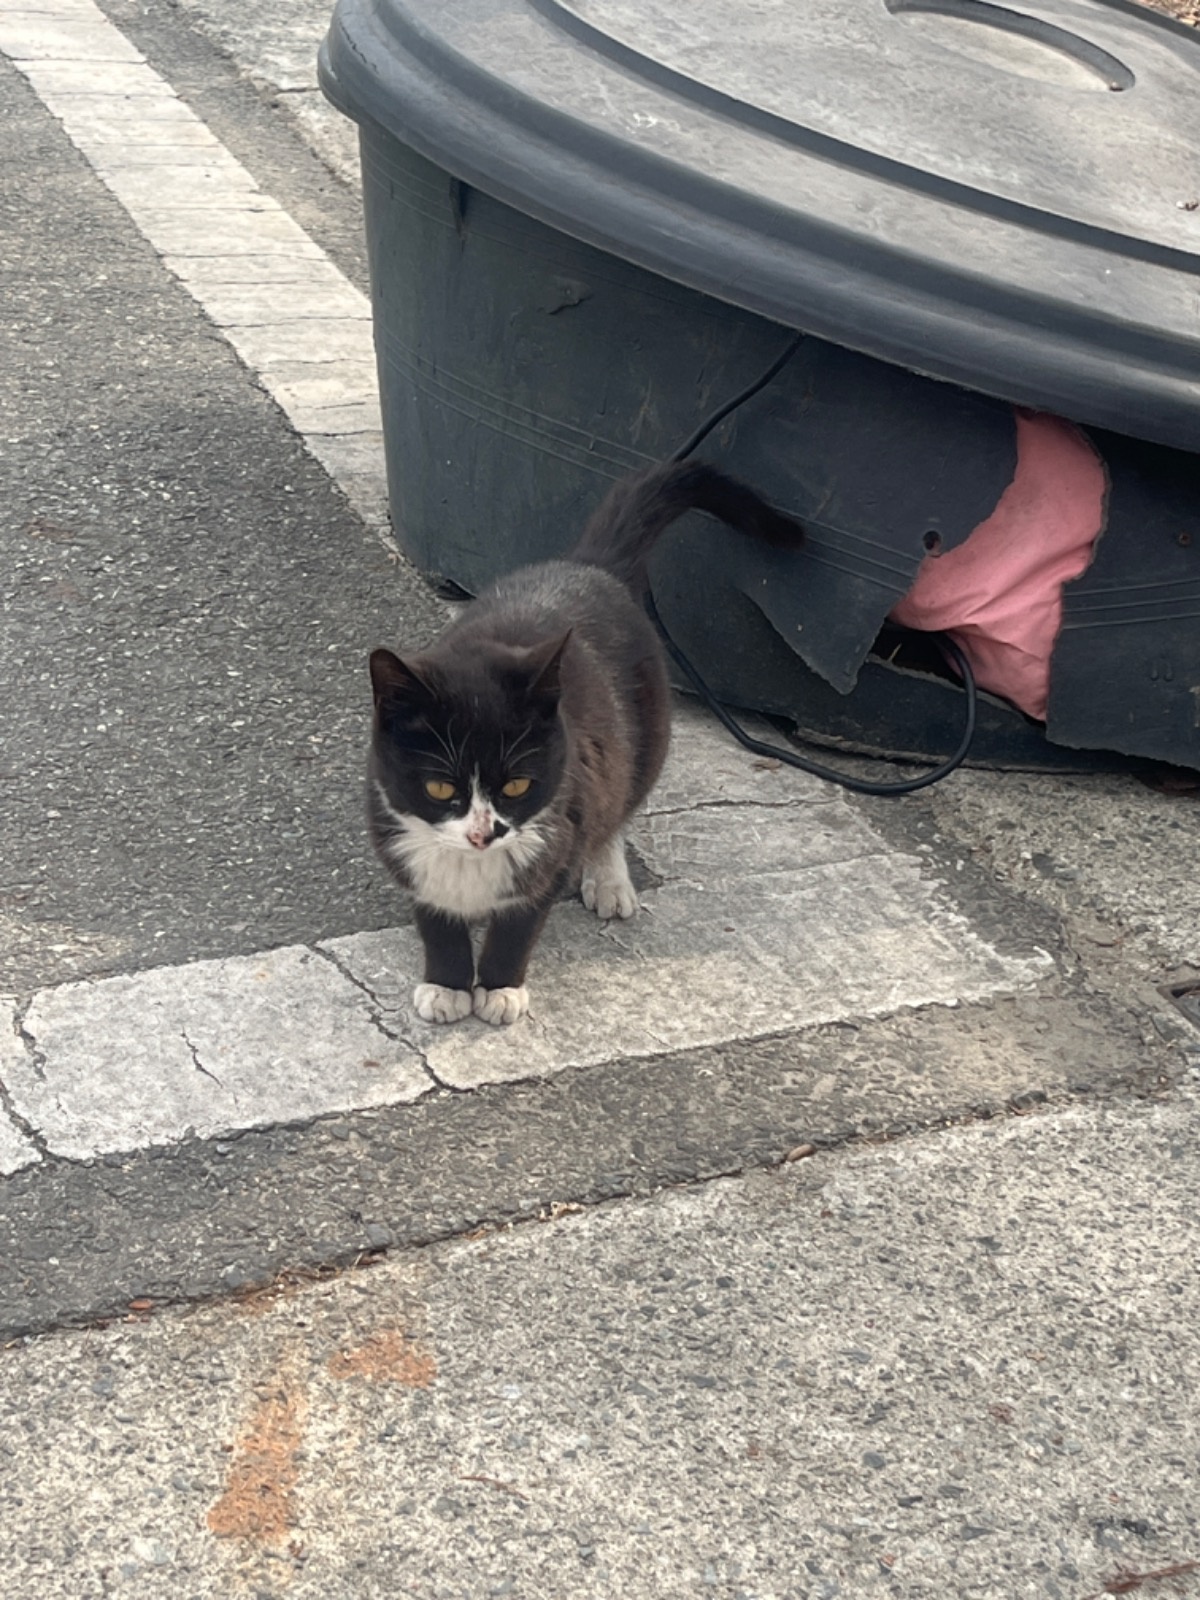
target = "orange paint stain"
x: 259, y: 1501
x: 388, y: 1357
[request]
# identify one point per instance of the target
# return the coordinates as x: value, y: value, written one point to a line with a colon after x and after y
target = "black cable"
x: 776, y: 752
x: 705, y: 428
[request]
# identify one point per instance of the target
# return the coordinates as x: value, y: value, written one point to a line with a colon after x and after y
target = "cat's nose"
x: 481, y: 833
x: 482, y: 830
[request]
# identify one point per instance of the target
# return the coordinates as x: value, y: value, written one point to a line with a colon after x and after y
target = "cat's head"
x: 472, y: 745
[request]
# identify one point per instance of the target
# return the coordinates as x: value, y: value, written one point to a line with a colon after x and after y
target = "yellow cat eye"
x: 516, y: 787
x: 436, y: 789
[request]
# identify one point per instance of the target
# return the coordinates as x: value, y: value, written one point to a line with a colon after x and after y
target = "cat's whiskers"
x: 519, y: 750
x: 437, y: 763
x: 447, y: 742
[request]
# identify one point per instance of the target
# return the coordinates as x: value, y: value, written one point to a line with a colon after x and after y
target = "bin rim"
x: 1104, y: 332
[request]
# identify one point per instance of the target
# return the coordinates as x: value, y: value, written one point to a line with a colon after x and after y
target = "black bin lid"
x: 1005, y: 198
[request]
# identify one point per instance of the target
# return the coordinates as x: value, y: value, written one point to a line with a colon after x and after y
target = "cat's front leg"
x: 500, y: 994
x: 445, y: 995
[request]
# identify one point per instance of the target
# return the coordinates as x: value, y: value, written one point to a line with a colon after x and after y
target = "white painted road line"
x: 204, y: 1049
x: 780, y: 909
x: 291, y: 316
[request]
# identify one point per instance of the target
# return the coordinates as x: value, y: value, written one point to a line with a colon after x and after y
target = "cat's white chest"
x: 463, y: 882
x: 467, y: 884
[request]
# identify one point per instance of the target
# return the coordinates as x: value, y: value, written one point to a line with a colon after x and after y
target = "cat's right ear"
x: 395, y: 682
x: 544, y: 663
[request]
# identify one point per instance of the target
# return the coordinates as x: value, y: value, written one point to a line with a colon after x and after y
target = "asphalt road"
x: 188, y: 604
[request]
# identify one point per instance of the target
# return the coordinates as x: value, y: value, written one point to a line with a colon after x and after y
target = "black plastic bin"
x: 589, y: 224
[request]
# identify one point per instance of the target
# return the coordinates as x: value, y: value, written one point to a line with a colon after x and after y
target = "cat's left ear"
x: 544, y: 662
x: 395, y: 680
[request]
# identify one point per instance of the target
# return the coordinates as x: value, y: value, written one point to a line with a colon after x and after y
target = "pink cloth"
x: 999, y: 593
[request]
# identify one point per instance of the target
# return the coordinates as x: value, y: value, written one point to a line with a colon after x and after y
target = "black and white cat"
x: 507, y: 759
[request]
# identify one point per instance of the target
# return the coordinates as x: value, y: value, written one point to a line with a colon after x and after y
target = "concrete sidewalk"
x: 961, y: 1365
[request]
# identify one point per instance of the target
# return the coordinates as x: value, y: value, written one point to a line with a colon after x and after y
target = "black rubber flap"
x: 880, y: 466
x: 1125, y: 673
x: 1004, y: 198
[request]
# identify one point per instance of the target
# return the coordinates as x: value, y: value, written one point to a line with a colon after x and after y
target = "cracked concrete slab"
x: 203, y: 1049
x: 705, y: 965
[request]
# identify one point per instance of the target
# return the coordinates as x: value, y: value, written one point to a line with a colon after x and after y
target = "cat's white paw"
x: 501, y: 1006
x: 607, y: 888
x: 433, y: 1003
x: 608, y: 899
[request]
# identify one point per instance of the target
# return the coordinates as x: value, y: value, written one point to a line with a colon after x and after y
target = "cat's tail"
x: 636, y: 511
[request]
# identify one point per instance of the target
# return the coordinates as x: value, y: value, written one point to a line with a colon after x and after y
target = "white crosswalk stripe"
x: 290, y: 314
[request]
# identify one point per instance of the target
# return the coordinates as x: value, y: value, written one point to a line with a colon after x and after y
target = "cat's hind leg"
x: 607, y: 888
